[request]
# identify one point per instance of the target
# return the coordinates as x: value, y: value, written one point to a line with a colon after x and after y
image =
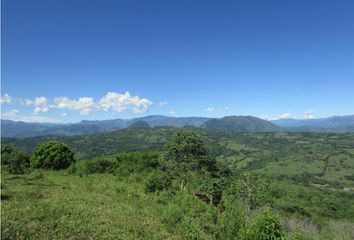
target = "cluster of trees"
x: 52, y: 155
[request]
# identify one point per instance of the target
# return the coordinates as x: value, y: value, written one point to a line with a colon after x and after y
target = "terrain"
x: 307, y: 178
x: 231, y: 123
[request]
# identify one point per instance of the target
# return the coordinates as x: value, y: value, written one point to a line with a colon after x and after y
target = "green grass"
x: 60, y: 206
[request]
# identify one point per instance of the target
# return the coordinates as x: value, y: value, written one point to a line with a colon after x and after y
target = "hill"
x: 240, y: 124
x: 332, y: 124
x: 22, y: 129
x: 232, y: 123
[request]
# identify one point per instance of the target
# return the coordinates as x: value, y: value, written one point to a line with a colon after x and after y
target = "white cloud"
x: 112, y: 101
x: 37, y: 102
x: 119, y: 102
x: 277, y: 117
x: 163, y: 103
x: 209, y: 109
x: 40, y: 104
x: 85, y: 105
x: 15, y: 115
x: 40, y: 109
x: 6, y: 98
x: 309, y: 115
x: 64, y: 114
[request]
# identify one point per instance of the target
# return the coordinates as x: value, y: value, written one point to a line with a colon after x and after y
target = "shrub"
x: 99, y: 165
x: 17, y: 163
x: 158, y: 181
x: 266, y: 227
x: 52, y: 155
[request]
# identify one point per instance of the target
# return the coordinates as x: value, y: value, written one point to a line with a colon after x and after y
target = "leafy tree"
x: 186, y: 152
x: 253, y: 190
x: 52, y: 155
x: 6, y: 151
x: 18, y: 162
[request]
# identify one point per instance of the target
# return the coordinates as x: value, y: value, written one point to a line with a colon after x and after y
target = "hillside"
x: 240, y: 124
x: 332, y: 124
x: 310, y: 176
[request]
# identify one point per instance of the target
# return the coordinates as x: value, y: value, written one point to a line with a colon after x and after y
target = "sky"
x: 65, y: 61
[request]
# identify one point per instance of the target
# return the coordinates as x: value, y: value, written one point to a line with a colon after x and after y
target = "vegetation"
x: 196, y: 184
x: 52, y: 155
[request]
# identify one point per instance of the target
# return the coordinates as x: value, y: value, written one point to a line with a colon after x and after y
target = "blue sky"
x: 65, y: 61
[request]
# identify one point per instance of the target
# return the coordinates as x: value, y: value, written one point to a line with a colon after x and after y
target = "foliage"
x: 99, y: 165
x: 186, y: 152
x: 266, y: 227
x: 17, y: 162
x: 252, y: 190
x: 52, y: 155
x: 158, y: 181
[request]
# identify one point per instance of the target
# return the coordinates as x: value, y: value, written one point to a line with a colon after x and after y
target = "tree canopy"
x: 52, y: 155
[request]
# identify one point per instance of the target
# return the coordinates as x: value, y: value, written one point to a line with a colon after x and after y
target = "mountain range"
x: 15, y: 129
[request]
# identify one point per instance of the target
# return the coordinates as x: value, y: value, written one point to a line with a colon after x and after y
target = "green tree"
x: 186, y: 152
x: 18, y: 162
x: 52, y: 155
x: 252, y: 190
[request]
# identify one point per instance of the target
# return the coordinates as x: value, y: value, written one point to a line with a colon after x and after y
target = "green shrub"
x: 52, y: 155
x: 266, y: 227
x: 99, y: 165
x: 158, y: 181
x: 17, y: 162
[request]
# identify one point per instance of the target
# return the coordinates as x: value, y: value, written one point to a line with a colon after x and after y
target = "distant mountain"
x: 241, y: 124
x: 231, y: 124
x: 22, y: 129
x: 139, y: 125
x: 330, y: 124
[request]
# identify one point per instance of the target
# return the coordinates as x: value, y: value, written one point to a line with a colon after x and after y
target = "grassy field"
x: 53, y: 205
x: 56, y: 205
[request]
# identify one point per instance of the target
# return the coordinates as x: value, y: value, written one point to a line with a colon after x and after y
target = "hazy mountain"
x: 21, y: 129
x: 241, y: 124
x: 139, y: 125
x: 232, y: 124
x: 335, y: 123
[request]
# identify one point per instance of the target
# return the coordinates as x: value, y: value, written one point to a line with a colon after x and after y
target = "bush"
x: 99, y: 165
x: 158, y: 181
x: 52, y: 155
x: 266, y: 227
x: 17, y: 163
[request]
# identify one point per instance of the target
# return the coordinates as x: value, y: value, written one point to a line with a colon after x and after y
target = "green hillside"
x: 307, y: 179
x: 241, y: 124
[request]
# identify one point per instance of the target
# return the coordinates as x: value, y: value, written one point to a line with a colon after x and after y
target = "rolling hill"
x: 241, y: 124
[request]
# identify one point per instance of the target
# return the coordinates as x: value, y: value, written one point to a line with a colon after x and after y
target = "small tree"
x: 186, y: 152
x: 18, y: 163
x: 52, y: 155
x: 252, y: 190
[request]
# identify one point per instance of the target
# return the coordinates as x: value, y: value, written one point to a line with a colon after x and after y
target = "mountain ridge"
x: 20, y: 129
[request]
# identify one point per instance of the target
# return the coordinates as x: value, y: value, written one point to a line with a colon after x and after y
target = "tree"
x: 52, y: 155
x: 187, y: 152
x: 253, y: 190
x: 18, y: 162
